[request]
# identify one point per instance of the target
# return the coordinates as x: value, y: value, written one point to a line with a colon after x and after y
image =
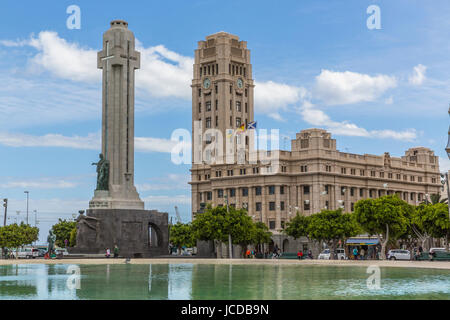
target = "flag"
x: 251, y: 125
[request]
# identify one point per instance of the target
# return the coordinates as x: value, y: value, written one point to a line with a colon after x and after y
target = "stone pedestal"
x: 137, y: 233
x: 104, y: 200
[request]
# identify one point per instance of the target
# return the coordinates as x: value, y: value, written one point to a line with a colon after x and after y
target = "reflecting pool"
x: 213, y: 281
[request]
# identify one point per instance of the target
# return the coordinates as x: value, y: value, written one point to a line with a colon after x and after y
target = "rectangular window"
x: 246, y: 108
x: 303, y: 168
x: 306, y: 205
x: 217, y: 121
x: 220, y: 193
x: 353, y: 171
x: 238, y: 106
x: 342, y: 191
x: 238, y: 122
x: 389, y: 175
x: 208, y: 122
x: 361, y: 192
x: 199, y: 92
x: 255, y: 170
x: 199, y: 107
x: 271, y: 206
x: 282, y: 205
x: 326, y: 189
x: 216, y: 89
x: 343, y: 170
x: 208, y: 105
x: 258, y: 206
x: 361, y: 172
x: 381, y: 174
x: 272, y: 224
x: 209, y: 195
x: 281, y: 189
x: 245, y: 192
x: 372, y: 173
x: 231, y: 88
x: 352, y: 207
x: 231, y: 121
x: 232, y: 193
x: 258, y: 191
x: 352, y: 192
x: 328, y: 168
x: 271, y: 189
x: 305, y: 189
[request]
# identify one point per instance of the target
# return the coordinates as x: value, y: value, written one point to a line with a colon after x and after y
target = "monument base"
x: 137, y: 233
x: 103, y: 200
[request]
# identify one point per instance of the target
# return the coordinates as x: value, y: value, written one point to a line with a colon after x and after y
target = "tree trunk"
x: 384, y: 243
x: 333, y: 250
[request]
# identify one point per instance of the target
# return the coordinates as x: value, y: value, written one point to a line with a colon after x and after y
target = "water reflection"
x: 220, y: 281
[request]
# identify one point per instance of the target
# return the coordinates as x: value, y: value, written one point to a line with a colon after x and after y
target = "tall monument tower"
x: 118, y: 60
x: 116, y: 214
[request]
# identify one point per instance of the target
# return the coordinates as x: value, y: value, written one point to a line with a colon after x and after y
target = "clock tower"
x: 222, y: 86
x: 222, y: 99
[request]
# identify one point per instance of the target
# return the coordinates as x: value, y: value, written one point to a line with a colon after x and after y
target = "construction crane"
x: 178, y: 214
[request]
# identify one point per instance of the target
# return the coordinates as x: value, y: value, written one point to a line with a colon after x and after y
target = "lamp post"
x: 447, y: 149
x: 230, y: 245
x: 28, y: 194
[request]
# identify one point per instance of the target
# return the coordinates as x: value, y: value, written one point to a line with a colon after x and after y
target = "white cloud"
x: 89, y: 142
x: 444, y: 164
x: 418, y: 77
x: 272, y: 97
x: 163, y: 73
x: 165, y: 199
x: 45, y: 183
x: 347, y: 87
x: 316, y: 117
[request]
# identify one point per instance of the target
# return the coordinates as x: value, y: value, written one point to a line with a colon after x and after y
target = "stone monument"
x: 116, y: 214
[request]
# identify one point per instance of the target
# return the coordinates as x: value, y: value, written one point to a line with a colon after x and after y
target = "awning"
x: 362, y: 242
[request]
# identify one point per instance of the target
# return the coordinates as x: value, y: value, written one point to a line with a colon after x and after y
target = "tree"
x: 385, y: 217
x: 62, y: 231
x: 434, y: 199
x: 73, y: 237
x: 331, y: 226
x: 298, y: 226
x: 15, y: 236
x: 431, y: 220
x: 182, y: 235
x: 261, y: 234
x: 216, y: 224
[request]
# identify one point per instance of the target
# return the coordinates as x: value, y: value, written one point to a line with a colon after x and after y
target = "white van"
x: 325, y: 254
x: 26, y: 253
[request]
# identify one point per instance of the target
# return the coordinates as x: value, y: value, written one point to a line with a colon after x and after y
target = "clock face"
x: 240, y: 83
x: 206, y: 83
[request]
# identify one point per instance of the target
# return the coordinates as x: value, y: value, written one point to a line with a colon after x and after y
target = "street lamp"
x: 28, y: 194
x: 447, y: 149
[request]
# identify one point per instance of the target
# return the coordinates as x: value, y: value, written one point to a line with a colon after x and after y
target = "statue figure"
x: 102, y: 173
x: 51, y: 238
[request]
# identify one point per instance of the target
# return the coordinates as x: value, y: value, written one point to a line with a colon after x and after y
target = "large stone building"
x: 313, y: 176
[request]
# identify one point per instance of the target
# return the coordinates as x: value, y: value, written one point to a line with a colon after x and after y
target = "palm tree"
x: 435, y: 198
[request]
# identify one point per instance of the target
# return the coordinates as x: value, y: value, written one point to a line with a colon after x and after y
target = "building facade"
x: 313, y: 176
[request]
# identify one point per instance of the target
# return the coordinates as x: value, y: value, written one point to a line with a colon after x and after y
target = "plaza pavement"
x: 364, y: 263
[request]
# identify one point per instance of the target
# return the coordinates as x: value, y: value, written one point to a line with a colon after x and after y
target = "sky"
x: 315, y: 64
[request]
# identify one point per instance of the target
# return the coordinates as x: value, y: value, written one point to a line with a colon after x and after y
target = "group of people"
x: 300, y: 255
x: 116, y: 252
x: 371, y: 253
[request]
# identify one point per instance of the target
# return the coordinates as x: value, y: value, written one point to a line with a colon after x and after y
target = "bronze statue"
x: 102, y: 173
x: 51, y: 238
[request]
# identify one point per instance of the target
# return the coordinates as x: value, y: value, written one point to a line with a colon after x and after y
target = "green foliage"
x: 387, y: 215
x: 62, y: 231
x: 331, y: 225
x: 182, y: 235
x: 216, y: 224
x: 73, y: 237
x: 15, y: 236
x: 432, y: 219
x: 298, y: 226
x: 262, y: 233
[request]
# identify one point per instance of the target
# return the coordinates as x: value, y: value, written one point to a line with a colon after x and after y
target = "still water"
x: 209, y: 281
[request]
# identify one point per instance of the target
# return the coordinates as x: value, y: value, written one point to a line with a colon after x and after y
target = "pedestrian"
x: 363, y: 252
x: 116, y: 251
x: 108, y: 252
x: 310, y: 254
x: 247, y: 254
x: 299, y: 255
x: 355, y: 253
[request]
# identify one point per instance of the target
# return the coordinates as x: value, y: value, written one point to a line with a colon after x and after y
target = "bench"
x: 439, y: 256
x: 290, y: 255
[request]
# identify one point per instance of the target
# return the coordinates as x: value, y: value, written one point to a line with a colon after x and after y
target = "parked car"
x: 399, y: 254
x: 325, y: 254
x: 61, y: 251
x: 26, y: 253
x: 436, y: 249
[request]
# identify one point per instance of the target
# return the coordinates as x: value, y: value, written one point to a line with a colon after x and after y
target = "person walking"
x: 310, y: 256
x: 108, y: 253
x: 116, y: 251
x: 355, y: 253
x: 362, y: 254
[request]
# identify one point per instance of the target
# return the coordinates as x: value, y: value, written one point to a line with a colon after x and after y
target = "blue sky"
x: 315, y: 64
